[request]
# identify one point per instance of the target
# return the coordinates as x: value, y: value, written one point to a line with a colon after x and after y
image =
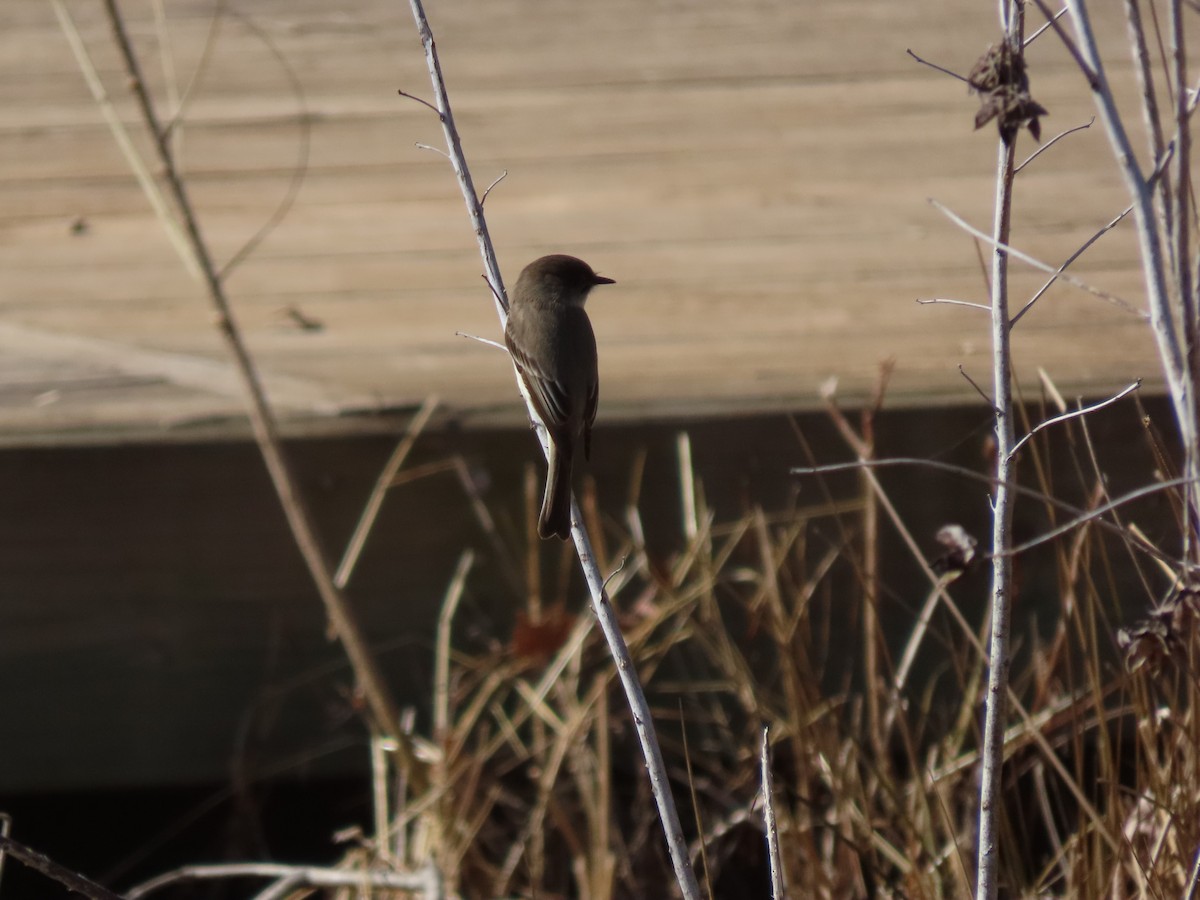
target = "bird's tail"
x: 556, y: 502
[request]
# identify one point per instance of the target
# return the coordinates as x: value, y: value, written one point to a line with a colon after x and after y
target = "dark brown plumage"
x: 553, y: 348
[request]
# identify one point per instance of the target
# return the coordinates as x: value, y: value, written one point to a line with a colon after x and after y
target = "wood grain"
x: 754, y: 176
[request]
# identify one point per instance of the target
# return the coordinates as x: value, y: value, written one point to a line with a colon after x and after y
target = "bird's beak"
x: 600, y: 279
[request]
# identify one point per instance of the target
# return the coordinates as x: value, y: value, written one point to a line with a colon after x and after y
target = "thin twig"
x: 1050, y: 143
x: 262, y: 420
x: 945, y: 302
x: 939, y: 466
x: 380, y: 796
x: 167, y: 60
x: 482, y: 340
x: 702, y: 845
x: 1099, y: 511
x: 40, y: 862
x: 1033, y: 261
x: 383, y: 483
x: 1189, y: 892
x: 687, y: 486
x: 300, y: 169
x: 432, y: 149
x: 1037, y: 34
x: 280, y: 888
x: 199, y: 70
x: 996, y: 699
x: 1070, y: 259
x: 470, y: 487
x: 313, y: 876
x: 441, y: 670
x: 1184, y: 209
x: 422, y: 101
x: 772, y: 829
x: 1089, y: 72
x: 120, y: 133
x: 971, y: 381
x: 1179, y: 379
x: 458, y: 160
x: 968, y: 635
x: 605, y: 614
x: 1145, y: 76
x: 941, y: 69
x: 488, y: 189
x: 909, y: 656
x: 1083, y: 411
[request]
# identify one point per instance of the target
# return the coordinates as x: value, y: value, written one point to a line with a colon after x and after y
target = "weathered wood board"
x: 754, y: 175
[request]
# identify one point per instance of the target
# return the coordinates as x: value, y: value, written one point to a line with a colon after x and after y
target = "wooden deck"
x: 754, y: 175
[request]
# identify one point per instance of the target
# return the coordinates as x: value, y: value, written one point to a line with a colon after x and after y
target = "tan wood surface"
x: 755, y: 175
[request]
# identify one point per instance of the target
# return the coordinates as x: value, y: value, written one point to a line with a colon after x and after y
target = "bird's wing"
x: 589, y: 416
x: 550, y: 401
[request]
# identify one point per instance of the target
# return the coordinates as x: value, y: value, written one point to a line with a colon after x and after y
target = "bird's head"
x: 559, y: 279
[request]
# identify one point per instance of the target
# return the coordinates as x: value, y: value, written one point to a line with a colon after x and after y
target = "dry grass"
x: 536, y: 788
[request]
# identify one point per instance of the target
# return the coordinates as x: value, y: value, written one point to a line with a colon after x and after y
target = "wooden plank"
x: 755, y: 179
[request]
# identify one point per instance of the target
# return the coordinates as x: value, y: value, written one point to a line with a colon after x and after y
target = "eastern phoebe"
x: 552, y: 346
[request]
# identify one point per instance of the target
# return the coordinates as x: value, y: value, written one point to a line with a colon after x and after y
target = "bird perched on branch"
x: 553, y: 349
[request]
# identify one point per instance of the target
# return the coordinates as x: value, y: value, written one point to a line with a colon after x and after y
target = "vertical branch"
x: 262, y: 421
x: 1145, y: 75
x: 383, y: 483
x: 1180, y: 382
x: 873, y: 639
x: 458, y: 161
x: 1183, y: 154
x: 772, y: 829
x: 988, y: 857
x: 601, y: 605
x: 1183, y: 273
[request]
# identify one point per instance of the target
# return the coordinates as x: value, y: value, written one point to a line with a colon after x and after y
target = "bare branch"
x: 1154, y: 132
x: 1177, y: 367
x: 627, y: 672
x: 1183, y: 189
x: 938, y: 68
x: 375, y: 501
x: 945, y: 302
x: 768, y: 797
x: 262, y: 420
x: 1050, y: 143
x: 1070, y: 259
x: 1083, y: 411
x: 1037, y: 263
x: 1052, y: 20
x: 488, y: 190
x: 1003, y: 501
x: 441, y: 668
x: 482, y: 340
x: 971, y: 381
x: 937, y: 466
x: 1037, y: 34
x: 423, y: 102
x: 300, y: 169
x: 1099, y: 511
x: 141, y: 171
x: 313, y: 876
x: 40, y: 862
x: 466, y: 182
x: 438, y: 150
x: 1190, y: 892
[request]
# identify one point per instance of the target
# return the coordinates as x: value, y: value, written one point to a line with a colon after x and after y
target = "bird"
x: 553, y: 348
